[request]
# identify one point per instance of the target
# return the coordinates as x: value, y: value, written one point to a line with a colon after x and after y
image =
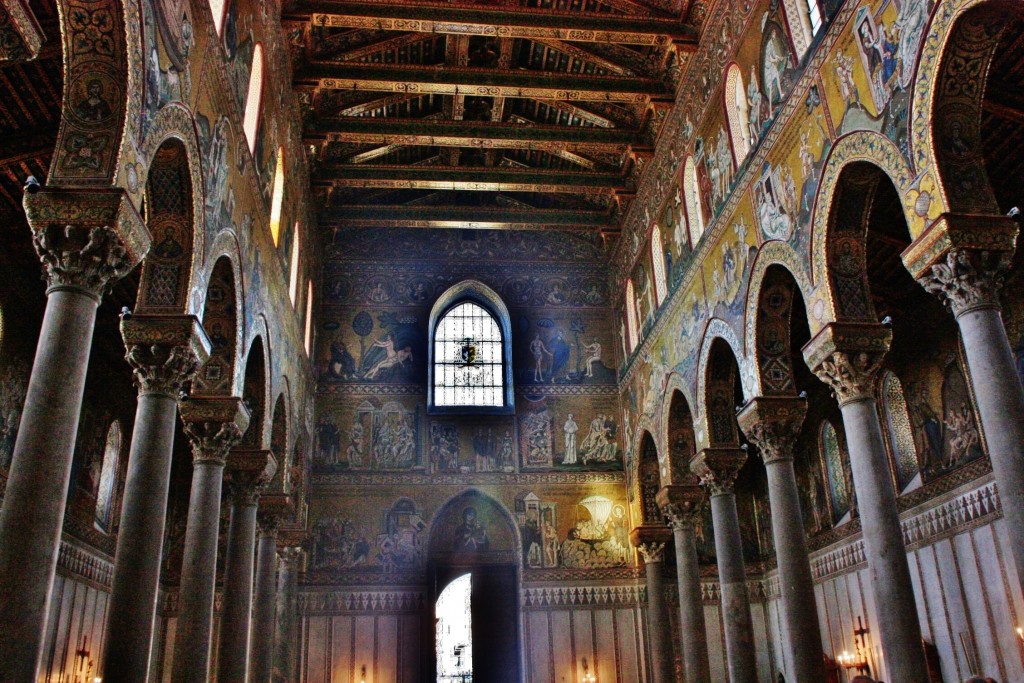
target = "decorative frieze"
x: 80, y: 563
x: 584, y: 596
x: 337, y: 602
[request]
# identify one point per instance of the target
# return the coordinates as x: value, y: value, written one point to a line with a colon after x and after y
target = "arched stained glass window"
x: 468, y: 358
x: 631, y: 317
x: 897, y: 425
x: 738, y: 113
x: 831, y: 455
x: 254, y: 98
x: 470, y: 351
x: 293, y: 268
x: 277, y: 198
x: 658, y: 265
x: 108, y: 478
x: 309, y: 319
x: 694, y: 210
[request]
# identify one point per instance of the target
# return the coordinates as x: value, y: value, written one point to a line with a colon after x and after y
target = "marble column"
x: 717, y: 468
x: 287, y: 611
x: 772, y: 424
x: 85, y: 240
x: 848, y: 357
x: 968, y: 278
x: 650, y: 541
x: 683, y: 506
x: 164, y: 352
x: 274, y: 509
x: 248, y: 471
x: 214, y: 426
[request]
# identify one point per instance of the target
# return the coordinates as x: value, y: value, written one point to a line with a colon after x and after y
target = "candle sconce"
x: 588, y: 677
x: 362, y: 674
x: 857, y: 659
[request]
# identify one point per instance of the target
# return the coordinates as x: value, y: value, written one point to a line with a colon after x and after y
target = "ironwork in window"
x: 468, y: 358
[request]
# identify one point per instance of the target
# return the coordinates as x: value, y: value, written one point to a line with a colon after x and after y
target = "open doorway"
x: 453, y: 639
x: 472, y: 632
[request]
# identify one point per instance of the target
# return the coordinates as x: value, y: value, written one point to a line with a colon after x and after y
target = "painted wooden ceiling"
x: 518, y: 114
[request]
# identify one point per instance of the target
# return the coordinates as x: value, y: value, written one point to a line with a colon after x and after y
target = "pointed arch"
x: 658, y: 265
x: 279, y: 444
x: 309, y: 319
x: 277, y: 198
x: 293, y: 265
x: 694, y: 208
x: 170, y: 217
x: 254, y: 98
x: 254, y: 393
x: 737, y: 113
x: 221, y: 313
x: 632, y: 324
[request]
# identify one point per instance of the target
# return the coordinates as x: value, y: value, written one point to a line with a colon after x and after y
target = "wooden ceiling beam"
x: 402, y: 216
x: 485, y: 134
x: 502, y: 23
x: 424, y: 80
x: 479, y: 179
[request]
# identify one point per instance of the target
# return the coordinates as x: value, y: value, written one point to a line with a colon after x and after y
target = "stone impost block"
x: 959, y: 231
x: 772, y: 423
x: 717, y: 468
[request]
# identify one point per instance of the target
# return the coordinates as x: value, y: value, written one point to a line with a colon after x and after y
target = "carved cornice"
x: 951, y: 232
x: 683, y: 506
x: 86, y: 240
x: 164, y: 351
x: 214, y: 426
x: 848, y: 357
x: 717, y: 468
x: 772, y: 423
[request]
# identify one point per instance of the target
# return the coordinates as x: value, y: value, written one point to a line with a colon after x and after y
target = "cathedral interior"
x: 511, y: 341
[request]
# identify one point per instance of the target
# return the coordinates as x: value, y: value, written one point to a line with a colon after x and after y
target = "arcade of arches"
x: 653, y: 340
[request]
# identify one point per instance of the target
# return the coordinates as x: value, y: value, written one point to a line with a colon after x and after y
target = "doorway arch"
x: 473, y: 534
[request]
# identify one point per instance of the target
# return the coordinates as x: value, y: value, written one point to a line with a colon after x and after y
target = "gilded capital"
x: 848, y: 357
x: 214, y: 426
x: 682, y: 505
x: 85, y: 240
x: 772, y: 424
x: 164, y: 351
x: 717, y: 468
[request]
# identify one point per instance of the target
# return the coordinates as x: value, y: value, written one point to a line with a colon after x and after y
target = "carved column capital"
x: 772, y: 424
x: 964, y: 259
x: 214, y: 426
x: 968, y: 280
x: 290, y: 556
x: 650, y: 540
x: 717, y: 468
x: 248, y: 473
x: 274, y: 510
x: 85, y: 240
x: 164, y: 351
x: 682, y: 505
x: 848, y: 357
